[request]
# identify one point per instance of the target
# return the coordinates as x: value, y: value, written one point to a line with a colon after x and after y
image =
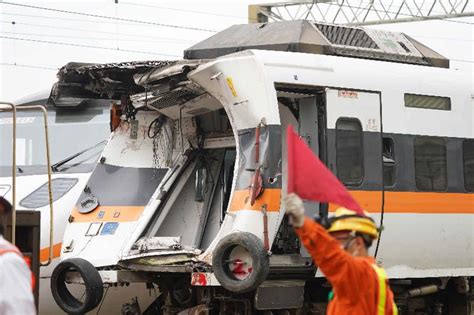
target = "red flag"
x: 310, y: 179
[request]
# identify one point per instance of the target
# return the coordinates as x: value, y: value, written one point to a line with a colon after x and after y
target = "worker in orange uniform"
x: 360, y: 287
x: 16, y: 295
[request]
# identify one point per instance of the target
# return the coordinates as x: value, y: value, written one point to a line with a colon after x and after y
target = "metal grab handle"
x: 12, y: 108
x: 48, y: 161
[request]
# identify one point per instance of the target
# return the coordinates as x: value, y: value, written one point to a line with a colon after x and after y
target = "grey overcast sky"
x: 45, y: 33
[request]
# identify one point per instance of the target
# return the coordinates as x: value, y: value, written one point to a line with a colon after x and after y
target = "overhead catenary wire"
x: 67, y: 19
x: 159, y: 39
x: 443, y: 38
x: 127, y: 50
x: 94, y: 38
x: 460, y: 60
x: 27, y: 66
x: 95, y: 31
x: 183, y: 10
x: 87, y: 46
x: 149, y: 37
x: 108, y: 17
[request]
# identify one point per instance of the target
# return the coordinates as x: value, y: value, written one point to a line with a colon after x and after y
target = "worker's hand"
x: 295, y: 210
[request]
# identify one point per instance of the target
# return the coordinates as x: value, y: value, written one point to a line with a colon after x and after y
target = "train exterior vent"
x: 40, y: 197
x: 347, y: 36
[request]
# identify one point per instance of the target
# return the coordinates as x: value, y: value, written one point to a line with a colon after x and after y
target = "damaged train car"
x: 186, y: 197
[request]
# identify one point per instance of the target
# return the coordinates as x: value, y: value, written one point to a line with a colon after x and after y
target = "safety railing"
x: 5, y: 106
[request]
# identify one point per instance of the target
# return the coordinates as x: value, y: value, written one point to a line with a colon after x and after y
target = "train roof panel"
x: 316, y: 38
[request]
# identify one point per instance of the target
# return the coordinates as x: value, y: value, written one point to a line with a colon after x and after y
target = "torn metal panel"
x: 147, y: 244
x: 166, y: 86
x: 84, y: 68
x: 168, y: 72
x: 178, y: 96
x: 93, y: 81
x: 183, y: 268
x: 164, y: 260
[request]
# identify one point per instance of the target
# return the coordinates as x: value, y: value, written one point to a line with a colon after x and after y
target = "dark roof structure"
x: 314, y: 38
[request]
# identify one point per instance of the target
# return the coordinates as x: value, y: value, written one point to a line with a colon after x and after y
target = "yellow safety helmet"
x: 349, y: 220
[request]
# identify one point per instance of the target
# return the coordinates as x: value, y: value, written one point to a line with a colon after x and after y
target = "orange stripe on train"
x: 44, y: 252
x: 109, y: 214
x: 429, y: 202
x: 270, y: 197
x: 414, y: 202
x: 371, y: 201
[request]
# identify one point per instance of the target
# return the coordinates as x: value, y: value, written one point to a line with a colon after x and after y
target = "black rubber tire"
x: 260, y: 262
x: 92, y: 281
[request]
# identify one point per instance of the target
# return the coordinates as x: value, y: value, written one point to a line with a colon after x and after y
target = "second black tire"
x: 92, y: 281
x: 258, y: 254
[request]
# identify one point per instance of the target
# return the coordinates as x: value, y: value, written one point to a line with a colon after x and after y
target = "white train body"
x: 157, y: 214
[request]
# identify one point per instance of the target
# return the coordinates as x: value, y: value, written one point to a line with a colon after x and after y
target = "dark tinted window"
x: 349, y: 151
x: 428, y: 102
x: 388, y: 162
x: 430, y: 163
x: 468, y: 155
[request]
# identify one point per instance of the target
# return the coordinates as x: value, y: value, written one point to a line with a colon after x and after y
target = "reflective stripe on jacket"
x: 385, y: 303
x: 360, y: 287
x: 15, y: 250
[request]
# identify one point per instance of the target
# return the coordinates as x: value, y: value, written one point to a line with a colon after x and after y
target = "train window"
x: 388, y: 162
x: 349, y: 151
x: 468, y: 156
x: 426, y: 101
x: 430, y: 164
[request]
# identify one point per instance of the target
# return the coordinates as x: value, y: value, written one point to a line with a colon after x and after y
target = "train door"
x: 354, y: 144
x: 311, y: 129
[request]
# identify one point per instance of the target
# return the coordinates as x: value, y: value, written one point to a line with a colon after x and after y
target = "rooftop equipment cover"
x: 314, y: 38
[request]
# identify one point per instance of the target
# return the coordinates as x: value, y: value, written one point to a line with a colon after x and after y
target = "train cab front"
x: 155, y: 198
x: 186, y: 193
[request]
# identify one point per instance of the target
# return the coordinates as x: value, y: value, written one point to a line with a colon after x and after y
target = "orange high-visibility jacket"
x: 360, y: 287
